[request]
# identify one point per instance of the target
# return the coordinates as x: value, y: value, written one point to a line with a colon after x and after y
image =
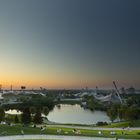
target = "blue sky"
x: 69, y: 43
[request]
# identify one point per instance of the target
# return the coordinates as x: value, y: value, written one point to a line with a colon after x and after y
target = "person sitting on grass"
x: 59, y: 130
x: 100, y: 133
x: 22, y: 132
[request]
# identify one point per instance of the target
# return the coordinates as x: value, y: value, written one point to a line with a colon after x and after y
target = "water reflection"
x: 76, y: 114
x: 13, y: 111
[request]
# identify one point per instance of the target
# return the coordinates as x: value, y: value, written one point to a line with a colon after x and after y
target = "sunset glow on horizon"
x: 69, y: 44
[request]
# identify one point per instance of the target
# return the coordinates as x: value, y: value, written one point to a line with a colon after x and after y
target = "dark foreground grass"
x: 16, y: 130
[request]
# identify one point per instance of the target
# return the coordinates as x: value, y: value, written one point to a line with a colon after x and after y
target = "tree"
x: 16, y: 119
x: 26, y: 116
x: 113, y: 112
x: 32, y: 110
x: 122, y: 112
x: 90, y: 102
x: 2, y: 114
x: 45, y: 111
x: 37, y: 118
x: 133, y: 113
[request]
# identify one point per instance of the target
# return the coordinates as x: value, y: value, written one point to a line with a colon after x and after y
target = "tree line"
x: 124, y: 112
x: 32, y: 110
x: 29, y: 115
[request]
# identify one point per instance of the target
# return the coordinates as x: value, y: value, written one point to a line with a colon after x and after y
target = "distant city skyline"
x: 69, y: 43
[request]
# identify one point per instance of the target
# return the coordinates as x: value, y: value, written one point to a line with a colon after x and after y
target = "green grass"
x: 118, y: 124
x: 94, y: 133
x: 124, y: 124
x: 135, y: 123
x: 16, y: 130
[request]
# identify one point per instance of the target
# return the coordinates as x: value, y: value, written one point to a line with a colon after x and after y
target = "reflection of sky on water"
x: 13, y: 112
x: 76, y: 114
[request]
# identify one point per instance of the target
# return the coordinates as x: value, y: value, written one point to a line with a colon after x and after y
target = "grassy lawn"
x: 16, y: 130
x: 106, y: 133
x: 124, y: 124
x: 118, y: 125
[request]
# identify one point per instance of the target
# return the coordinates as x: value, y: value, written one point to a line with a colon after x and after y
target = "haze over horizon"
x: 69, y: 43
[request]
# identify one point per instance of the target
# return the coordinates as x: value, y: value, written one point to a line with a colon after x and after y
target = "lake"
x: 75, y: 114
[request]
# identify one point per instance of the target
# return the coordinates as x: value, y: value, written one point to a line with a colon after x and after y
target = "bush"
x: 138, y: 133
x: 101, y: 123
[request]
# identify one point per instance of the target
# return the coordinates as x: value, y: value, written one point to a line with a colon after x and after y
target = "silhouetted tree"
x: 113, y: 112
x: 122, y: 112
x: 45, y: 111
x: 133, y: 113
x: 91, y: 103
x: 26, y: 116
x: 32, y: 110
x: 16, y: 119
x: 37, y: 118
x: 2, y: 114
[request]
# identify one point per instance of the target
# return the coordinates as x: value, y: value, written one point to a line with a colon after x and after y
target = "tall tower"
x: 96, y: 90
x: 118, y: 93
x: 0, y: 87
x: 11, y: 87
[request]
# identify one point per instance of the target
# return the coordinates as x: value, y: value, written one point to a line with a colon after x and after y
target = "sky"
x: 69, y: 43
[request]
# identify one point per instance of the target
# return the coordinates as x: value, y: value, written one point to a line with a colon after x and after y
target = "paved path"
x: 53, y: 137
